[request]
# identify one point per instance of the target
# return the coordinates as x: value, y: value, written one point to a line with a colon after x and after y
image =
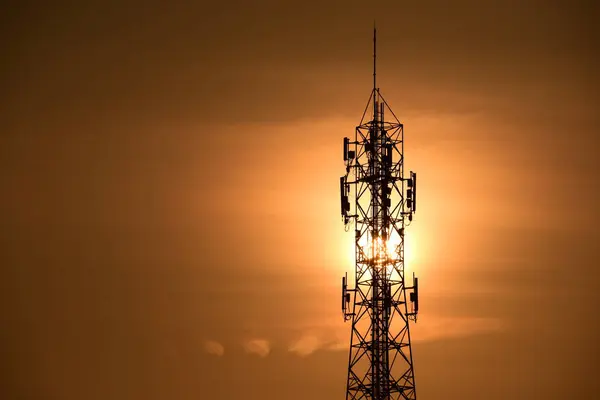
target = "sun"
x: 383, y: 252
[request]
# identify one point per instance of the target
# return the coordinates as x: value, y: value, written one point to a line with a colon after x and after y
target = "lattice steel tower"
x: 380, y: 362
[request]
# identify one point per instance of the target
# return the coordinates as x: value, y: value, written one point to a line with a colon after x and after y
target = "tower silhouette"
x: 380, y: 305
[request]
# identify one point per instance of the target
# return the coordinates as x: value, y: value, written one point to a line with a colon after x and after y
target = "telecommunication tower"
x: 380, y: 305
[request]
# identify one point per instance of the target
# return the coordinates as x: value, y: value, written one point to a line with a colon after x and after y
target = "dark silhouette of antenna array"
x: 380, y: 305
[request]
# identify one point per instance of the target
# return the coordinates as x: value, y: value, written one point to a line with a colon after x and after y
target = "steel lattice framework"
x: 380, y: 356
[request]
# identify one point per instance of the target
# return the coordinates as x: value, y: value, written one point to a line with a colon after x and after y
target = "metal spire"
x: 375, y: 103
x: 374, y: 55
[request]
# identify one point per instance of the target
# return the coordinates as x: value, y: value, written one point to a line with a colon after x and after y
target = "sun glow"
x: 386, y: 251
x: 381, y: 252
x: 409, y: 250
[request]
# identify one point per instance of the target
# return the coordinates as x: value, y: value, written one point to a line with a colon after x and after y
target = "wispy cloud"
x: 339, y: 344
x: 306, y: 345
x: 214, y: 348
x: 430, y: 327
x: 325, y: 338
x: 260, y: 347
x: 336, y: 336
x: 436, y: 327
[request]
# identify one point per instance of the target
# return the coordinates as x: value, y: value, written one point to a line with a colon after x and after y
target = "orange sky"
x: 170, y: 204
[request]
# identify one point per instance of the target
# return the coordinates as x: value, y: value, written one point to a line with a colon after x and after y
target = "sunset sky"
x: 170, y: 200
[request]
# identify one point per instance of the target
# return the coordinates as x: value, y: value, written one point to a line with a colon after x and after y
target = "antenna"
x: 374, y: 55
x: 375, y: 117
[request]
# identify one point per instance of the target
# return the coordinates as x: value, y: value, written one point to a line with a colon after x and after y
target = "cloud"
x: 214, y: 348
x: 259, y: 347
x: 430, y: 328
x: 436, y: 327
x: 339, y: 344
x: 326, y: 338
x: 306, y: 345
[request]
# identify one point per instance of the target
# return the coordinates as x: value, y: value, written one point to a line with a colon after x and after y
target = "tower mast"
x: 374, y: 57
x: 380, y: 365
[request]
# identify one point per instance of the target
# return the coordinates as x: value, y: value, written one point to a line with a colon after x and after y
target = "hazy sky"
x: 170, y: 206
